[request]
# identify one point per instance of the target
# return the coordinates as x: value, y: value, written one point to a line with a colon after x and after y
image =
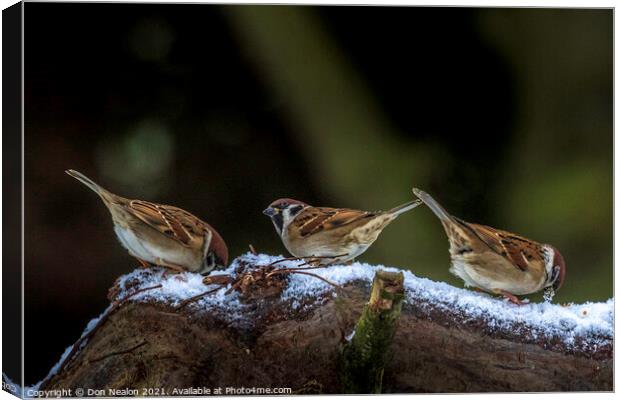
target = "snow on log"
x: 257, y: 328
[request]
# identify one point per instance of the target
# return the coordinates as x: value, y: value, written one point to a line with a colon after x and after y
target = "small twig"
x: 239, y: 281
x: 306, y: 259
x: 253, y: 250
x: 116, y: 353
x: 282, y: 270
x: 222, y: 279
x: 197, y: 297
x: 284, y: 259
x: 318, y: 277
x: 120, y: 302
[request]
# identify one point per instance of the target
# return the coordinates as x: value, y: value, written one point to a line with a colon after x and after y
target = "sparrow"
x: 497, y: 261
x: 162, y: 235
x: 335, y: 235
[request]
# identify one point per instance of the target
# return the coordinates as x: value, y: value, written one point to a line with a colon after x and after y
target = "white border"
x: 481, y: 3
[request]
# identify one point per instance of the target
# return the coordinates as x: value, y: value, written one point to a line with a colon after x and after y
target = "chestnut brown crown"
x: 285, y: 202
x: 278, y: 206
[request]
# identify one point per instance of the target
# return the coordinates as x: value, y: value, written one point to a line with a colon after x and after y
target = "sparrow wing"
x: 171, y: 221
x: 516, y: 249
x: 317, y: 219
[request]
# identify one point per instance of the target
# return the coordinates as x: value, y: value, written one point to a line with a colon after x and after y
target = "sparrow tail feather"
x: 435, y: 207
x: 103, y: 193
x: 404, y: 207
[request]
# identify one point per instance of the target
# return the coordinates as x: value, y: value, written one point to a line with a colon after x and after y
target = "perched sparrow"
x: 498, y: 261
x: 336, y: 234
x: 162, y: 235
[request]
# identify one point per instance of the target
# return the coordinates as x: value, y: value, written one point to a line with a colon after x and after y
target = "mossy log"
x: 298, y: 343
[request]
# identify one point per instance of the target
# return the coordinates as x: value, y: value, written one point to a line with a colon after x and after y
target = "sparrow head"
x: 555, y: 266
x: 217, y: 254
x: 283, y: 211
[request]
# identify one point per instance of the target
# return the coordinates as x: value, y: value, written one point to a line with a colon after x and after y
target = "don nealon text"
x: 154, y: 392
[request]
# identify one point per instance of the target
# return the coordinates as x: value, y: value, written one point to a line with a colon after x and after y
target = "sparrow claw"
x: 143, y: 264
x: 511, y: 297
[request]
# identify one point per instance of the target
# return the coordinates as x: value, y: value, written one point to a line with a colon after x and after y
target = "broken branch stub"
x: 365, y: 356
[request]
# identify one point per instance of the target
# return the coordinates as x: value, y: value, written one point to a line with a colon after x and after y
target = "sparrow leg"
x: 177, y: 274
x: 175, y: 268
x: 331, y: 260
x: 511, y: 297
x: 143, y: 264
x: 169, y: 268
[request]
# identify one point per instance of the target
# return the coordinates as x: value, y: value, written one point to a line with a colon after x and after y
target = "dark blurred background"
x: 504, y: 115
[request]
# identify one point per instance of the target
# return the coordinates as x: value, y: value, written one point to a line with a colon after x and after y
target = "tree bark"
x: 154, y: 346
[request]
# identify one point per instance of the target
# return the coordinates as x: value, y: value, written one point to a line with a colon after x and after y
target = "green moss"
x: 363, y: 359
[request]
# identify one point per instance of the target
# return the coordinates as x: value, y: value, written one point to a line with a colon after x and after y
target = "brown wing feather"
x: 174, y: 222
x: 517, y: 249
x: 317, y: 219
x: 196, y: 228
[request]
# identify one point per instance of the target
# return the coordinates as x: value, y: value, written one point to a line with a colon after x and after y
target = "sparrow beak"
x: 270, y: 211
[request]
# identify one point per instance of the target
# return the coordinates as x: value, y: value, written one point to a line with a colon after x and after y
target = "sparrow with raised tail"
x: 337, y: 235
x: 162, y: 235
x: 498, y: 261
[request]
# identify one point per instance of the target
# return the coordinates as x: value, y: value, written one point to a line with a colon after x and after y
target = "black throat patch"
x: 278, y: 221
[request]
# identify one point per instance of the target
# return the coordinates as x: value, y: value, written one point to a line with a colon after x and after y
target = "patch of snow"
x: 593, y: 322
x: 10, y: 386
x: 179, y: 287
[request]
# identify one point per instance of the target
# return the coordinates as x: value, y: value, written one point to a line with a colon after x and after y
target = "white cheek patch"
x: 549, y: 256
x: 207, y: 243
x: 287, y: 218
